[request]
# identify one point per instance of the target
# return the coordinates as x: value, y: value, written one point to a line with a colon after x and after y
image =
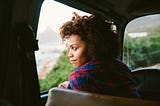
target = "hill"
x: 49, y: 37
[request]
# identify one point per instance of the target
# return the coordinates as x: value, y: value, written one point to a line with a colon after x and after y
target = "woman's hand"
x: 64, y: 84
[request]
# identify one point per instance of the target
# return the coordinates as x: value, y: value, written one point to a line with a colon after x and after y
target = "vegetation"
x: 142, y: 51
x: 58, y: 74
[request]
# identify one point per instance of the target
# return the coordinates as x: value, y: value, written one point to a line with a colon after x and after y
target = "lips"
x: 73, y: 61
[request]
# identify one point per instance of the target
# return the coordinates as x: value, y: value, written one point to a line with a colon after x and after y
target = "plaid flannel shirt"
x: 116, y: 80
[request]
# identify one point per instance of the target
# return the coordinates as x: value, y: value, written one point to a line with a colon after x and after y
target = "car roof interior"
x: 116, y: 9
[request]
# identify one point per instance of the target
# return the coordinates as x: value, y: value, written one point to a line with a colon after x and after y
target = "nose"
x: 69, y: 53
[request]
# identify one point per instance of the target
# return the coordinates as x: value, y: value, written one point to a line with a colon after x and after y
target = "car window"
x: 142, y: 42
x: 52, y: 65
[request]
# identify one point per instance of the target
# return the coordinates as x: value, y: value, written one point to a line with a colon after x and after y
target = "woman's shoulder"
x: 90, y: 65
x: 87, y: 68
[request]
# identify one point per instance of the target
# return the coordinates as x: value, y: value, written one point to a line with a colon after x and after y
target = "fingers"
x: 64, y: 84
x: 61, y: 85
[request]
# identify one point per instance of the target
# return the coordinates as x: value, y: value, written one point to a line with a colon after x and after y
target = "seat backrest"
x: 149, y: 86
x: 66, y: 97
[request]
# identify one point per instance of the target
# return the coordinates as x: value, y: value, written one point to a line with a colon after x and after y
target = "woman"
x: 93, y: 48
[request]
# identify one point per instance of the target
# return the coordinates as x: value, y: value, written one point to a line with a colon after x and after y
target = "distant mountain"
x: 49, y: 37
x: 144, y: 23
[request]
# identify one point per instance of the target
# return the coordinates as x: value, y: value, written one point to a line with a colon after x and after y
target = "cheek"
x: 83, y: 57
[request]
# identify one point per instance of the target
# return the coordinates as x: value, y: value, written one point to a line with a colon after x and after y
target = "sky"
x: 54, y: 14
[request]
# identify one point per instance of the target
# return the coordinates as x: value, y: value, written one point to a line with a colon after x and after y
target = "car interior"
x: 19, y: 82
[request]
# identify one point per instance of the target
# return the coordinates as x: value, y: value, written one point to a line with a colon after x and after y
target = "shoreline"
x: 46, y: 68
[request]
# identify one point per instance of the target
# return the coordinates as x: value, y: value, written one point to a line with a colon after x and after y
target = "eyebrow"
x: 74, y: 43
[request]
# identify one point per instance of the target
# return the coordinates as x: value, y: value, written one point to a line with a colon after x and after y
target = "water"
x: 46, y: 55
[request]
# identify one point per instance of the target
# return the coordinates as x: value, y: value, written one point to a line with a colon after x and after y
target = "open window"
x: 141, y: 42
x: 52, y: 65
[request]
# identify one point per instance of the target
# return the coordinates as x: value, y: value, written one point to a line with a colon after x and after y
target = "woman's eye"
x: 74, y: 48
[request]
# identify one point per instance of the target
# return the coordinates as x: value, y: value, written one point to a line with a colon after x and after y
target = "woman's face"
x: 77, y: 50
